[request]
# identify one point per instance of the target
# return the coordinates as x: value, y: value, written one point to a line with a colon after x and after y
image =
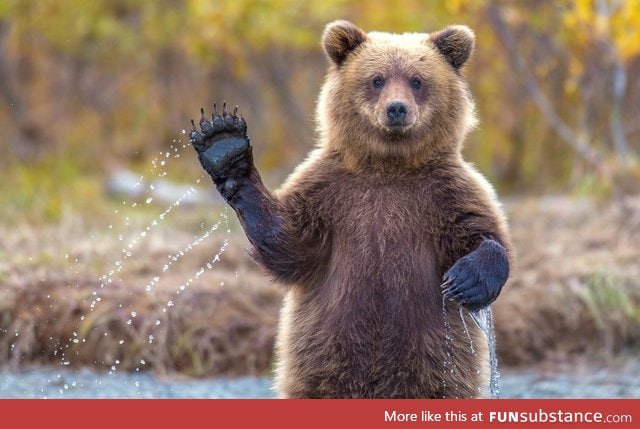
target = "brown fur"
x: 371, y: 221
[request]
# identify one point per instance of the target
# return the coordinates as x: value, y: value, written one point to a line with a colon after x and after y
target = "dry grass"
x: 60, y: 304
x: 576, y: 290
x: 576, y: 287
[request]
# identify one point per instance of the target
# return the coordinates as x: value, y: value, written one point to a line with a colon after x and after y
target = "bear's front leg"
x: 475, y: 280
x: 224, y: 151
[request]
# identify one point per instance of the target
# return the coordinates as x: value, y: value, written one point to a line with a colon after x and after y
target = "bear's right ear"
x: 456, y: 43
x: 340, y: 38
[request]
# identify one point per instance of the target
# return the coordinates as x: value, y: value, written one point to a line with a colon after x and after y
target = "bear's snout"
x: 397, y: 113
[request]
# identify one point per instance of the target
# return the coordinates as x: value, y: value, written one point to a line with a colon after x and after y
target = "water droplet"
x: 448, y: 360
x: 466, y: 330
x: 148, y: 200
x: 121, y: 342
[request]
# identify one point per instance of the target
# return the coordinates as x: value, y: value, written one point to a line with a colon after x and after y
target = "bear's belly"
x: 375, y: 327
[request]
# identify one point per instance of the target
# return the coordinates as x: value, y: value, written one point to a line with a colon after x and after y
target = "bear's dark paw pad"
x: 464, y: 284
x: 221, y: 141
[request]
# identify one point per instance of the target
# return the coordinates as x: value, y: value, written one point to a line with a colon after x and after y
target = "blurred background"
x: 105, y: 214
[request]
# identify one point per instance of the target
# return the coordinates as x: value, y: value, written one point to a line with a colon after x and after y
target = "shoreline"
x: 578, y: 381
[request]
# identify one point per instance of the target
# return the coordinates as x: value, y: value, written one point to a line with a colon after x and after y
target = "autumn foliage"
x: 106, y: 82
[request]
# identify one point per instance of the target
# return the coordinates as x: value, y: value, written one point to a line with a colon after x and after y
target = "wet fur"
x: 370, y: 324
x: 364, y: 230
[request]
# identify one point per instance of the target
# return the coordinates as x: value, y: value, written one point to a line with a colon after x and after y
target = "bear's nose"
x: 396, y: 112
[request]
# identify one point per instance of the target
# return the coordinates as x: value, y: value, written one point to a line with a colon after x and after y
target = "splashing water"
x: 181, y: 253
x: 484, y: 320
x: 448, y: 361
x: 131, y: 241
x: 466, y: 331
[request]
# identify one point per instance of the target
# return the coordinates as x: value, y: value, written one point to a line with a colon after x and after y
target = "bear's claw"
x: 230, y: 124
x: 463, y: 285
x: 222, y: 144
x: 476, y: 279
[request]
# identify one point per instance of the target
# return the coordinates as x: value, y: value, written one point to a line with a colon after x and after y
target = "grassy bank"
x: 576, y: 288
x: 70, y: 295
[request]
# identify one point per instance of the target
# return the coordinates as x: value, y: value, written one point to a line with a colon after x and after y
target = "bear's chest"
x: 383, y: 219
x: 382, y: 241
x: 381, y: 285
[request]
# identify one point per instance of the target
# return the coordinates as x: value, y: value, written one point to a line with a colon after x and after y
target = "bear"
x: 383, y: 235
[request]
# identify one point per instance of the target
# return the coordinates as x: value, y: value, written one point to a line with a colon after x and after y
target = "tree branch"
x: 574, y: 140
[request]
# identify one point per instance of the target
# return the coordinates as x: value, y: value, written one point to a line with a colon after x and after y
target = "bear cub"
x: 384, y: 232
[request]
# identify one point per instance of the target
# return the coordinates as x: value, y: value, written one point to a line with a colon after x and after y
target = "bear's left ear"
x: 455, y: 43
x: 340, y: 38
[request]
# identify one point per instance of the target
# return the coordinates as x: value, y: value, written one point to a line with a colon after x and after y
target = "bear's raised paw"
x: 222, y: 145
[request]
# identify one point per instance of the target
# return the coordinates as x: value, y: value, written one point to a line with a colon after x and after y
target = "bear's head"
x: 395, y: 95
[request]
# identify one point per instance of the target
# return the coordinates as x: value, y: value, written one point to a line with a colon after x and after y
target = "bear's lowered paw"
x: 476, y: 279
x: 223, y: 147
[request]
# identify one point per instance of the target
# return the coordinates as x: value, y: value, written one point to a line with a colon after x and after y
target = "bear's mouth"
x: 396, y: 130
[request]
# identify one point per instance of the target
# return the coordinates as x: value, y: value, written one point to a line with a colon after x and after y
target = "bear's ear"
x: 340, y: 38
x: 455, y: 43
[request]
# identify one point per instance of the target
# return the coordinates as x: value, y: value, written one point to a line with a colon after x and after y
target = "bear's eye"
x: 416, y: 83
x: 377, y: 82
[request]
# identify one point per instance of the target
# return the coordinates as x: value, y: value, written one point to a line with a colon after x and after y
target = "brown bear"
x: 384, y: 232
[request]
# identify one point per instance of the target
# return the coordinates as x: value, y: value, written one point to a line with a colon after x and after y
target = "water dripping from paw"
x: 483, y: 318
